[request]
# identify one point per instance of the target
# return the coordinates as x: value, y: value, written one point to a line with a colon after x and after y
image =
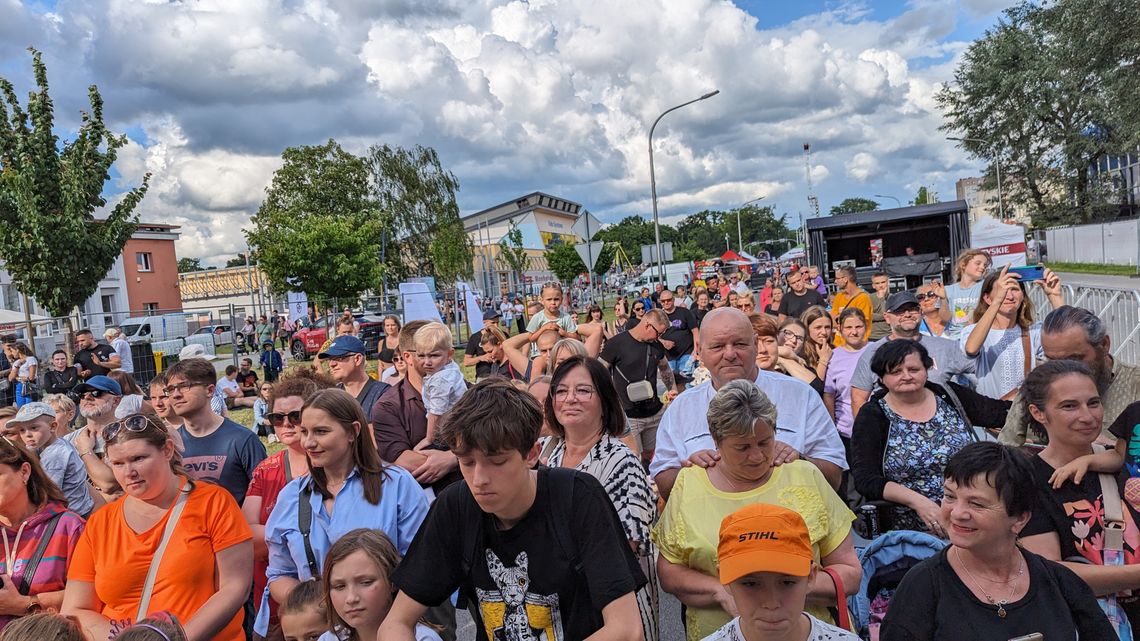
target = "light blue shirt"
x: 403, y: 507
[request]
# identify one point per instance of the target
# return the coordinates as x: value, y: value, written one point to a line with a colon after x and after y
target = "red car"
x: 307, y: 342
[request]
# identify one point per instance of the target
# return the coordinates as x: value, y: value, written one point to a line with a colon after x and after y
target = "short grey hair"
x: 1065, y: 317
x: 736, y: 408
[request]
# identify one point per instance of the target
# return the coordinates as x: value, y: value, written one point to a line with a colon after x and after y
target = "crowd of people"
x: 712, y: 442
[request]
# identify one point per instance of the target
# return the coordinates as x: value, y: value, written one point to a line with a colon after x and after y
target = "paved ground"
x: 1100, y: 280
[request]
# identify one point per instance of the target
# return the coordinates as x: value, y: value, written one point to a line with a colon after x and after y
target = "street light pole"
x: 898, y: 202
x: 997, y: 170
x: 739, y: 238
x: 653, y: 182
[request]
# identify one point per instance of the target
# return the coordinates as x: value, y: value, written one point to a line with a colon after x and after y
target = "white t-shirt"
x: 962, y: 302
x: 443, y: 389
x: 123, y: 349
x: 508, y: 312
x: 26, y: 365
x: 224, y: 384
x: 802, y: 422
x: 423, y: 633
x: 1001, y: 361
x: 820, y: 631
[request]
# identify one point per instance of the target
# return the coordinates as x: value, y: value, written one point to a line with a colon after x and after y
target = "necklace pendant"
x: 1001, y: 611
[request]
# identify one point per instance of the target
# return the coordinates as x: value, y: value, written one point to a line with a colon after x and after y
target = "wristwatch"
x: 34, y: 605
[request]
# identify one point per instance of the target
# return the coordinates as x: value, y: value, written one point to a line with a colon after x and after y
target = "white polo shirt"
x: 802, y: 422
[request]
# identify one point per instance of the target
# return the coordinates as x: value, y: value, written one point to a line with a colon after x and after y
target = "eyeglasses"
x: 912, y: 309
x: 169, y: 390
x: 135, y: 423
x: 639, y: 309
x: 278, y: 418
x: 665, y: 300
x: 94, y: 394
x: 582, y: 392
x: 926, y: 295
x: 791, y: 336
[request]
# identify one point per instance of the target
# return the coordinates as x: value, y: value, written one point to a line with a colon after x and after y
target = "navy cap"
x: 492, y: 315
x: 343, y: 346
x: 900, y: 299
x: 101, y: 383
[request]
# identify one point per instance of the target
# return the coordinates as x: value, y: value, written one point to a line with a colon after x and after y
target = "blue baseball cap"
x: 101, y: 383
x: 343, y: 346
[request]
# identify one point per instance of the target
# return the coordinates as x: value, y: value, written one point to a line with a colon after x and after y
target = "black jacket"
x: 869, y: 433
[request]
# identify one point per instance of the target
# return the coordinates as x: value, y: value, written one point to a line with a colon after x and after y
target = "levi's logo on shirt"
x: 758, y: 536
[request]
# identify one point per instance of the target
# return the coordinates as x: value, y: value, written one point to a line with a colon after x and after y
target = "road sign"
x: 649, y: 253
x: 586, y: 226
x: 590, y: 253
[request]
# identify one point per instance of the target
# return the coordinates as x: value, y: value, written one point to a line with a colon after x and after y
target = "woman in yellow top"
x: 742, y: 420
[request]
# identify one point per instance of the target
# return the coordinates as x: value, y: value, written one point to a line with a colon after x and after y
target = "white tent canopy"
x: 792, y: 254
x: 1004, y: 242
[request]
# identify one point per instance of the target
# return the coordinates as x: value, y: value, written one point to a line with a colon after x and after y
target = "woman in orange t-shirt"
x: 205, y: 573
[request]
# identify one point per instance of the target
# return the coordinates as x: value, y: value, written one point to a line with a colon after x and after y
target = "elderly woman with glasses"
x: 39, y: 532
x: 742, y: 421
x: 192, y: 533
x: 286, y: 397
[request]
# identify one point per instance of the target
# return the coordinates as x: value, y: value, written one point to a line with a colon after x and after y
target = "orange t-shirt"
x: 116, y: 559
x: 861, y: 301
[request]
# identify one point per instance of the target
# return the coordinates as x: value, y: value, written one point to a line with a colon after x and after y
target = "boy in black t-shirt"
x: 535, y: 554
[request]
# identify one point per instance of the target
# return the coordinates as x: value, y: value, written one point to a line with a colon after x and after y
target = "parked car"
x: 307, y: 341
x: 222, y: 333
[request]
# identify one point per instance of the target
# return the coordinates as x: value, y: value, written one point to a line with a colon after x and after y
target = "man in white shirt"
x: 728, y: 350
x: 122, y: 349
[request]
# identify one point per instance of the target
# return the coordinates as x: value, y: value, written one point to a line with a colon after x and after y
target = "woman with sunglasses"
x: 638, y: 313
x: 203, y: 570
x: 931, y: 323
x: 347, y: 487
x: 32, y: 509
x: 286, y: 397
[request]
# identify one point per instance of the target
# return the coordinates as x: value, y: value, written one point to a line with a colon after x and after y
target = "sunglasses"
x: 94, y: 394
x: 135, y: 423
x: 278, y: 418
x: 926, y: 296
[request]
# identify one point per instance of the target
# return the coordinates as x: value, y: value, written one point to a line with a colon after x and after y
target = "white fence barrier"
x: 1118, y: 308
x: 1110, y: 243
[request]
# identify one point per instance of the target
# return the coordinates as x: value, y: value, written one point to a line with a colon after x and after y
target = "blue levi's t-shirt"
x: 227, y: 456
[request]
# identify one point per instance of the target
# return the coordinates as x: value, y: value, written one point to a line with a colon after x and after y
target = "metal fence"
x: 1118, y: 308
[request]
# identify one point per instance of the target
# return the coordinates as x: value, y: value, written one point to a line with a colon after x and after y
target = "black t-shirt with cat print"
x: 520, y: 579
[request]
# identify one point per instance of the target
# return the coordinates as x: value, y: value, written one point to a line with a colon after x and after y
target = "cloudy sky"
x: 550, y: 95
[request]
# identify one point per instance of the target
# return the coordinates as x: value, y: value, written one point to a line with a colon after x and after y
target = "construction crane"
x: 813, y: 202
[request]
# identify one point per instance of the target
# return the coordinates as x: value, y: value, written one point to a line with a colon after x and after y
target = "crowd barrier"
x: 1118, y: 308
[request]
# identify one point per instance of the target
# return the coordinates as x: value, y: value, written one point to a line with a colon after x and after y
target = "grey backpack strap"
x: 167, y: 533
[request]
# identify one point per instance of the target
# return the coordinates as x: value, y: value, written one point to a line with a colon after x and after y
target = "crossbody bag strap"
x: 1025, y: 349
x: 29, y: 574
x: 1113, y: 513
x: 156, y: 560
x: 843, y: 617
x: 305, y: 525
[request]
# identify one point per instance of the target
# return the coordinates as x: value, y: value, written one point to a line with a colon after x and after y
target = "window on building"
x: 142, y: 259
x: 108, y: 303
x: 150, y: 308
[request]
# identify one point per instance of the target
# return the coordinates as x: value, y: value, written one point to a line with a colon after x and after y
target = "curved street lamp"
x: 997, y: 168
x: 653, y: 181
x: 739, y: 238
x: 898, y: 202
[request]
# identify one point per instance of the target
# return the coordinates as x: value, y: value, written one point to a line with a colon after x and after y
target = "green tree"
x: 922, y: 197
x: 1044, y: 96
x: 190, y: 265
x: 451, y: 252
x: 634, y: 231
x: 564, y: 261
x: 416, y: 198
x: 239, y: 260
x: 854, y: 206
x: 317, y: 230
x: 53, y: 246
x: 513, y: 254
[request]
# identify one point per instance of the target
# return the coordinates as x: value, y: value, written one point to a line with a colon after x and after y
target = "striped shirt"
x: 51, y: 573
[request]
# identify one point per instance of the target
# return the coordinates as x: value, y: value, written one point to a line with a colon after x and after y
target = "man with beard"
x: 98, y: 398
x: 1075, y: 333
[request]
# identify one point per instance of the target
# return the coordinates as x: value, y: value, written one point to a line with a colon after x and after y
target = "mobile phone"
x: 1036, y: 636
x: 1029, y: 273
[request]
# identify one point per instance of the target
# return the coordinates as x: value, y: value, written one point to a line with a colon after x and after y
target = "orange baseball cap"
x: 763, y: 538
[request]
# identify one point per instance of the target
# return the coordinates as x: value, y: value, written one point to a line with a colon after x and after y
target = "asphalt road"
x: 1100, y: 280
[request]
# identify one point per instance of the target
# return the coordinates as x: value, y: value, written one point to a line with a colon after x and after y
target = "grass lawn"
x: 1093, y: 268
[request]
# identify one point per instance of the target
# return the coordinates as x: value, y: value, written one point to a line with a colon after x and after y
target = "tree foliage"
x: 416, y: 198
x: 239, y: 260
x: 564, y: 261
x: 190, y: 265
x: 53, y: 246
x: 854, y: 206
x: 1045, y: 93
x: 923, y: 197
x: 317, y: 231
x: 513, y: 254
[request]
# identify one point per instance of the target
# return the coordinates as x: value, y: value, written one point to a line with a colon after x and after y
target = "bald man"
x: 728, y: 350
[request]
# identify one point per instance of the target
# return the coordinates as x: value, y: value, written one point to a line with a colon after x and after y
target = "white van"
x: 675, y: 274
x: 144, y: 329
